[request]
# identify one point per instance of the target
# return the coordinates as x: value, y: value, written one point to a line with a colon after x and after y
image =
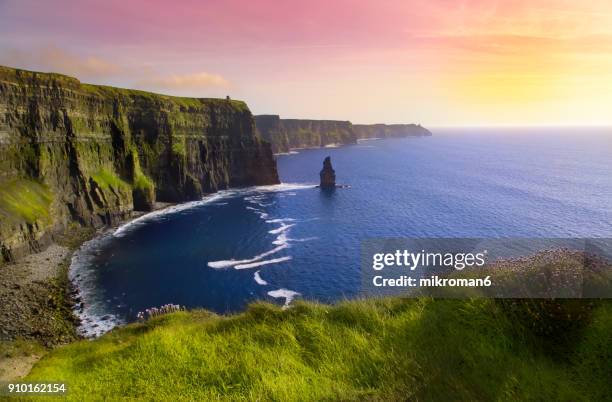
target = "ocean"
x: 278, y: 243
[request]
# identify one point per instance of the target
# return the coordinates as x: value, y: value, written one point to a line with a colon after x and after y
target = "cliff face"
x: 92, y: 154
x: 364, y: 131
x: 287, y: 134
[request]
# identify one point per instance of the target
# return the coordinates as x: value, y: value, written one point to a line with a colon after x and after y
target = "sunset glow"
x: 436, y: 62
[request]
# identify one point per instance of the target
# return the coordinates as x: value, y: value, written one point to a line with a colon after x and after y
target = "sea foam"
x: 232, y: 263
x: 264, y: 262
x: 258, y: 279
x: 287, y: 294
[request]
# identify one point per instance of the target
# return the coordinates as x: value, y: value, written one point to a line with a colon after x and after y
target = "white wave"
x: 287, y: 294
x: 258, y: 279
x: 231, y: 263
x: 280, y: 220
x: 160, y: 214
x: 262, y: 214
x: 94, y: 325
x: 334, y: 145
x: 254, y: 198
x: 368, y: 139
x: 281, y: 229
x: 264, y: 262
x: 303, y: 239
x: 262, y: 204
x: 281, y: 239
x: 286, y: 153
x: 94, y: 320
x: 275, y: 188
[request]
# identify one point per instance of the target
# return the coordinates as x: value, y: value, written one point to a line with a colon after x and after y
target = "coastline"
x: 39, y: 288
x: 294, y: 151
x: 43, y: 299
x: 39, y: 299
x: 96, y: 319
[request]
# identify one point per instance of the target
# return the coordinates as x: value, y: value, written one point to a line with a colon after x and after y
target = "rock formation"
x: 87, y: 154
x: 364, y: 131
x: 328, y: 175
x: 288, y: 134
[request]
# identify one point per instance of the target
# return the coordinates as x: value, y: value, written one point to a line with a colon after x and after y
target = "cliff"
x: 364, y: 131
x: 73, y: 152
x: 287, y: 134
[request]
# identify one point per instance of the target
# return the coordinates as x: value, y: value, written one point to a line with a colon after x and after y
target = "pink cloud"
x: 55, y: 59
x: 201, y: 80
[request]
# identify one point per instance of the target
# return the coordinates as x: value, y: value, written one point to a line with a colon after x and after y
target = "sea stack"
x: 328, y: 175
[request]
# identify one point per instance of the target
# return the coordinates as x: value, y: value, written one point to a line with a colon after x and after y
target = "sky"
x: 434, y: 62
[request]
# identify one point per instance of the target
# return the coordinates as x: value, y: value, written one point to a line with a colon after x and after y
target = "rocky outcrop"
x: 288, y: 134
x: 328, y: 175
x: 73, y: 152
x: 365, y: 131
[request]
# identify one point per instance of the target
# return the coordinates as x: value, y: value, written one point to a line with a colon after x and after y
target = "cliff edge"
x: 73, y: 152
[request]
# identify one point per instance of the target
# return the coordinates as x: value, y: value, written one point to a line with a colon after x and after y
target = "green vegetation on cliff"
x: 378, y: 349
x: 24, y: 200
x: 100, y: 152
x: 108, y: 180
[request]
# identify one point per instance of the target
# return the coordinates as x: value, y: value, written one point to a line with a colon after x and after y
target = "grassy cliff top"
x: 25, y: 77
x: 377, y: 349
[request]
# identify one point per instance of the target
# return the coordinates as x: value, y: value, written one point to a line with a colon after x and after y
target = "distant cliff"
x: 287, y: 134
x: 72, y: 152
x: 364, y: 131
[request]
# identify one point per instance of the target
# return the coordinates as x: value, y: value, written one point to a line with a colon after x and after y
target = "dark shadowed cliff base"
x: 288, y: 134
x: 90, y: 155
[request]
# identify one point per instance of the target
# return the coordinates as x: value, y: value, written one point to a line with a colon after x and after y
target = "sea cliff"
x: 288, y: 134
x: 365, y: 131
x: 90, y: 155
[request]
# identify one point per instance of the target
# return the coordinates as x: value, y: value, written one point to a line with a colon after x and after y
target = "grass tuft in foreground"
x: 377, y: 349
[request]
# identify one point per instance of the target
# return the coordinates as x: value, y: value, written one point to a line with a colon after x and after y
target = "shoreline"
x: 294, y: 151
x: 39, y: 299
x: 95, y: 320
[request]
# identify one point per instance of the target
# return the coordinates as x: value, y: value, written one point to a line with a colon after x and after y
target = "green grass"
x: 24, y: 200
x: 141, y: 181
x: 379, y: 349
x: 107, y: 179
x: 178, y: 147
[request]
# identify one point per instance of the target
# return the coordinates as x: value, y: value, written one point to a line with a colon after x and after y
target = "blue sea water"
x: 294, y: 240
